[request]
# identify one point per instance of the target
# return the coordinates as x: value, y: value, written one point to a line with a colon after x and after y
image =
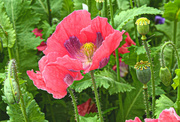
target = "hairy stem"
x: 146, y: 100
x: 152, y: 75
x: 96, y: 96
x: 74, y: 103
x: 163, y: 65
x: 117, y: 65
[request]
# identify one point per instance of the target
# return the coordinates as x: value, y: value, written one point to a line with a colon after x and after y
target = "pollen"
x: 88, y: 49
x: 99, y: 1
x: 143, y: 21
x: 142, y: 65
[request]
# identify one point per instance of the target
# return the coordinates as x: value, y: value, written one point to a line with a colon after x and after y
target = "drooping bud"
x: 165, y: 76
x: 11, y: 91
x: 143, y: 25
x: 11, y: 84
x: 143, y: 71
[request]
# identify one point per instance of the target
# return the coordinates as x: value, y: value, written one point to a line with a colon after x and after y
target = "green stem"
x: 96, y: 96
x: 146, y: 100
x: 9, y: 49
x: 51, y: 110
x: 131, y: 3
x: 163, y: 65
x: 105, y: 7
x: 162, y: 53
x: 89, y: 5
x: 174, y: 41
x: 12, y: 66
x: 74, y: 103
x: 49, y: 12
x: 152, y: 75
x: 117, y: 65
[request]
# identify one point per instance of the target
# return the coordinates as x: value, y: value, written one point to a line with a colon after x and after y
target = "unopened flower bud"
x: 99, y: 5
x: 143, y: 71
x: 143, y: 25
x: 11, y: 91
x: 165, y: 76
x: 55, y: 21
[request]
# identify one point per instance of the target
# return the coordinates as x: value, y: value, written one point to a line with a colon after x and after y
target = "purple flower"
x: 159, y: 20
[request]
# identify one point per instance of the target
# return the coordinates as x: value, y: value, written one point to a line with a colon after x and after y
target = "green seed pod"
x: 11, y: 91
x: 99, y: 5
x: 165, y: 76
x: 143, y: 71
x: 143, y: 25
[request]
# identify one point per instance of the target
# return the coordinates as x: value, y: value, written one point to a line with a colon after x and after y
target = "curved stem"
x: 89, y: 5
x: 96, y: 96
x: 74, y: 103
x: 174, y: 41
x: 146, y: 100
x: 152, y: 76
x: 162, y: 53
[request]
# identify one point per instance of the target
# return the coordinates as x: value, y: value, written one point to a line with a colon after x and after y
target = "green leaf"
x: 125, y: 16
x: 7, y: 33
x: 172, y: 10
x: 24, y: 20
x: 78, y: 4
x: 106, y: 79
x: 123, y: 4
x: 163, y: 103
x: 176, y: 79
x: 32, y: 109
x: 134, y: 100
x: 88, y: 119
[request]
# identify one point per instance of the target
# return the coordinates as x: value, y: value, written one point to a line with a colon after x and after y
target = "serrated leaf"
x: 123, y: 4
x: 125, y: 16
x: 7, y: 33
x: 172, y: 10
x: 88, y: 119
x: 106, y: 79
x: 32, y: 109
x: 176, y: 79
x: 161, y: 104
x: 24, y: 20
x: 134, y: 100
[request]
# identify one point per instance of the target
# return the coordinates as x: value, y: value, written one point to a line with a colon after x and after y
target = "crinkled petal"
x: 151, y: 120
x: 104, y: 51
x: 37, y: 79
x: 84, y: 107
x: 69, y: 26
x: 135, y: 120
x: 98, y: 24
x: 169, y: 115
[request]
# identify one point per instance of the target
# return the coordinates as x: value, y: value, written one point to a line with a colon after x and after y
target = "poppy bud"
x: 143, y: 25
x: 99, y: 5
x: 143, y: 71
x: 11, y: 90
x: 165, y: 76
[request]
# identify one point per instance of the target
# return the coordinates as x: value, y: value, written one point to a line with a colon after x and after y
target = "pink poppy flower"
x: 135, y: 120
x: 123, y: 68
x: 56, y: 74
x: 89, y: 41
x: 86, y: 108
x: 123, y: 49
x: 38, y: 33
x: 167, y: 115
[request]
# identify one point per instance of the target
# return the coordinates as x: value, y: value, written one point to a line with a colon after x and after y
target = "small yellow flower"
x: 142, y: 65
x: 99, y: 1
